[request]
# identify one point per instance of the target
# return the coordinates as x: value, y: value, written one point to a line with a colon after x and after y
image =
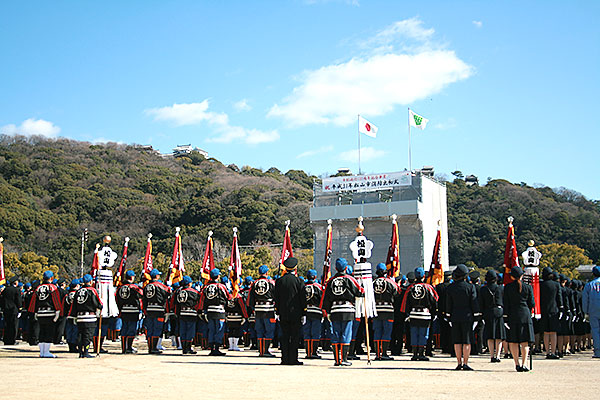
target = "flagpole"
x: 358, y: 130
x: 409, y: 156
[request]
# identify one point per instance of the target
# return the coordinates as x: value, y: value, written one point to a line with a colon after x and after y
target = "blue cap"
x: 224, y: 280
x: 311, y: 273
x: 87, y: 278
x: 154, y: 273
x: 419, y: 272
x: 55, y: 281
x: 129, y: 273
x: 596, y: 271
x: 341, y: 264
x: 263, y: 269
x: 74, y: 282
x: 186, y: 280
x: 214, y: 273
x: 27, y: 285
x: 175, y: 285
x: 248, y: 280
x: 349, y: 269
x: 48, y: 275
x: 380, y: 267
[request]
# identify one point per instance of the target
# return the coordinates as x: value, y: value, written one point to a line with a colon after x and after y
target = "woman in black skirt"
x: 492, y: 307
x: 518, y: 303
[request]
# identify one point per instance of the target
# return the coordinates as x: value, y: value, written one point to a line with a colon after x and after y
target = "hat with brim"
x: 13, y: 280
x: 290, y: 263
x: 460, y: 272
x: 516, y: 272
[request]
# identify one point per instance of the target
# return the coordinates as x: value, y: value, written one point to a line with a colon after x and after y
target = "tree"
x: 563, y: 258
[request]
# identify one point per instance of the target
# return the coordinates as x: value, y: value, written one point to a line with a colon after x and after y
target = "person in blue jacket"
x: 591, y: 306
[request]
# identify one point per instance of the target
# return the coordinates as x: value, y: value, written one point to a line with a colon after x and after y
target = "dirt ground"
x: 245, y: 375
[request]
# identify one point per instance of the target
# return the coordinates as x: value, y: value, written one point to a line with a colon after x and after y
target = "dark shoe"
x: 524, y: 369
x: 345, y: 350
x: 465, y: 367
x: 297, y: 363
x: 459, y: 367
x: 519, y: 368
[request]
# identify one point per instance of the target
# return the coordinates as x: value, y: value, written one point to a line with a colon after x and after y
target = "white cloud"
x: 242, y: 105
x: 187, y: 114
x: 478, y: 24
x: 320, y: 150
x: 32, y: 127
x: 366, y: 154
x: 376, y: 83
x: 197, y: 113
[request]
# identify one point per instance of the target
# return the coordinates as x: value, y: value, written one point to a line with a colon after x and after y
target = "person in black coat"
x: 11, y: 305
x: 551, y: 308
x: 290, y: 305
x: 518, y: 303
x: 462, y: 310
x: 492, y: 307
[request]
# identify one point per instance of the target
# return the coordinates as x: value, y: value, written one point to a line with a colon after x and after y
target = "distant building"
x: 585, y: 271
x: 471, y: 180
x: 184, y: 149
x: 145, y: 148
x: 418, y: 200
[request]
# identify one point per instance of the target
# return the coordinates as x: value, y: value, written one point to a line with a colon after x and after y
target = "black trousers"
x: 11, y: 326
x: 86, y: 331
x: 290, y: 337
x: 60, y: 329
x: 47, y: 329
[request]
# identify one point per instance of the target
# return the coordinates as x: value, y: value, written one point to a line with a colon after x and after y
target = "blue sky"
x: 510, y: 88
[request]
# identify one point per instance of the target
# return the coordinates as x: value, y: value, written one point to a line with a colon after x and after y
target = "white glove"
x: 474, y: 325
x: 276, y: 317
x: 56, y: 315
x: 244, y: 320
x: 303, y: 319
x: 19, y: 315
x: 328, y: 318
x: 560, y: 315
x: 450, y: 323
x: 35, y: 317
x: 506, y: 326
x: 98, y: 313
x: 167, y: 317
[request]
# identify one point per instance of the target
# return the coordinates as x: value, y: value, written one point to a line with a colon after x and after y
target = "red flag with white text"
x: 208, y: 263
x: 235, y: 265
x: 393, y: 256
x: 511, y: 258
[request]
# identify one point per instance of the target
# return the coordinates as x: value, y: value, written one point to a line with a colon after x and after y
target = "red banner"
x: 208, y: 263
x: 177, y: 267
x: 119, y: 276
x: 436, y: 272
x: 235, y: 265
x: 327, y: 262
x: 393, y: 255
x: 511, y: 258
x: 2, y: 275
x: 286, y: 251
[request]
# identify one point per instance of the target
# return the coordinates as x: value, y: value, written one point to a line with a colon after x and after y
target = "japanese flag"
x: 366, y: 127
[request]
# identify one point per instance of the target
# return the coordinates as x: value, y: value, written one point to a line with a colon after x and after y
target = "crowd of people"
x: 461, y: 316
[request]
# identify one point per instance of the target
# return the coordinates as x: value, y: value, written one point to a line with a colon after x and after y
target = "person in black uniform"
x: 129, y: 300
x: 261, y: 301
x: 462, y: 310
x: 213, y: 298
x: 11, y: 306
x: 338, y: 301
x: 419, y: 303
x: 518, y: 303
x: 61, y: 284
x: 46, y: 305
x: 314, y: 315
x: 445, y: 337
x: 492, y: 307
x: 236, y: 317
x: 86, y: 308
x: 551, y: 308
x: 186, y: 306
x: 154, y: 302
x: 477, y: 333
x: 71, y: 323
x: 397, y: 340
x: 386, y: 294
x: 290, y: 304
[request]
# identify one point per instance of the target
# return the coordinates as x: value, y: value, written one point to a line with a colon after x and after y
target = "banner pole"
x: 409, y: 155
x: 358, y: 130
